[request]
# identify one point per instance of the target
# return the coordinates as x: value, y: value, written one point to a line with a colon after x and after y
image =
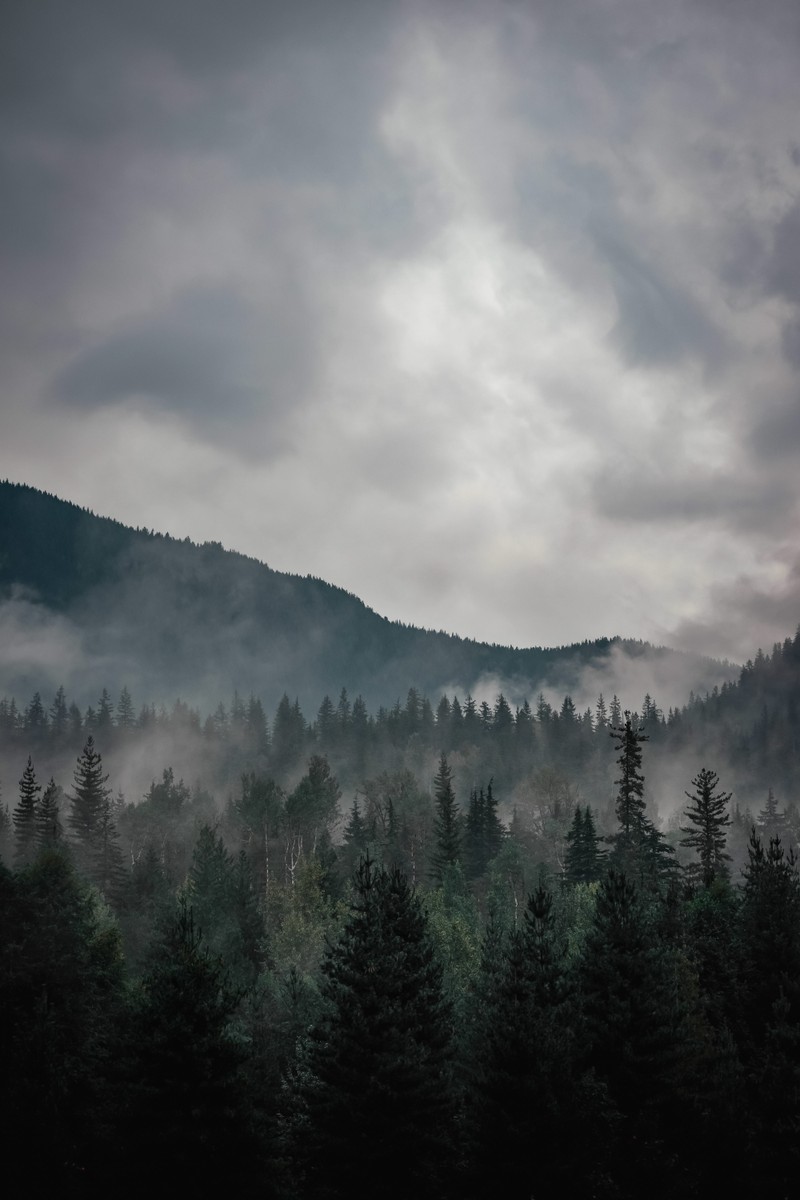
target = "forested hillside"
x: 447, y: 944
x: 453, y: 948
x: 80, y: 592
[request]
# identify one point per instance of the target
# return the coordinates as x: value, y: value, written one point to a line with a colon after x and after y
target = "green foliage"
x: 584, y: 859
x: 183, y: 1099
x: 49, y: 831
x: 447, y: 824
x: 525, y: 1084
x: 220, y: 891
x: 639, y: 850
x: 60, y: 991
x: 378, y: 1096
x: 25, y: 817
x: 708, y: 819
x: 484, y: 833
x: 453, y: 925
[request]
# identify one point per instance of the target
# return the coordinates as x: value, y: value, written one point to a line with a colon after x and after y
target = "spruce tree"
x: 525, y: 1093
x: 639, y: 850
x: 447, y: 822
x: 708, y: 819
x: 634, y: 1033
x: 584, y: 860
x: 376, y: 1100
x: 184, y: 1094
x: 25, y: 817
x: 89, y: 815
x: 48, y: 821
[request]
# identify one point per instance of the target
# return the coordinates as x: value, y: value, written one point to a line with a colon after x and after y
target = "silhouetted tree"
x: 377, y: 1097
x: 708, y: 819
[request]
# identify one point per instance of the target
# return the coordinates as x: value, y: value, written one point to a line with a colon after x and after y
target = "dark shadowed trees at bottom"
x: 526, y: 1093
x: 185, y: 1115
x: 375, y: 1107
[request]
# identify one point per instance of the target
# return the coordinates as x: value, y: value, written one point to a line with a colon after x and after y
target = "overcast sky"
x: 487, y: 312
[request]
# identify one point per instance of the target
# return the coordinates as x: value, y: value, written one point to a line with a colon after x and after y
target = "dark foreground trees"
x: 375, y: 1104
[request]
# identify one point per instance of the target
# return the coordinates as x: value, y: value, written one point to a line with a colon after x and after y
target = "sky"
x: 488, y: 312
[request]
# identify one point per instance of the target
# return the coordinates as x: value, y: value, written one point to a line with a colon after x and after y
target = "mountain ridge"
x: 198, y: 619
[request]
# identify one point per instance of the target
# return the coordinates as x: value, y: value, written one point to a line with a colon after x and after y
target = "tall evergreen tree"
x: 708, y: 819
x: 484, y: 832
x: 185, y: 1100
x: 447, y: 826
x: 59, y: 714
x: 48, y: 821
x: 377, y: 1097
x: 89, y: 818
x: 639, y: 850
x: 635, y: 1035
x: 525, y: 1092
x: 25, y: 817
x: 584, y: 859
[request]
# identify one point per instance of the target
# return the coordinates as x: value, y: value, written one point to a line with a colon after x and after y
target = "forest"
x: 446, y: 948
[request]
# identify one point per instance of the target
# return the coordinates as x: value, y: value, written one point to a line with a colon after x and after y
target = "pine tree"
x: 89, y: 814
x: 634, y: 1031
x: 59, y: 714
x: 708, y: 815
x: 219, y: 889
x: 355, y: 838
x: 768, y: 996
x: 524, y: 1082
x: 483, y: 833
x: 639, y: 850
x: 584, y: 860
x: 24, y: 817
x: 186, y: 1105
x: 378, y: 1094
x: 447, y: 824
x: 48, y: 821
x: 126, y: 714
x: 771, y: 823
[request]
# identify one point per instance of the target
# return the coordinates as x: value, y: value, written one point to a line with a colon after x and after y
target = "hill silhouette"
x: 88, y: 599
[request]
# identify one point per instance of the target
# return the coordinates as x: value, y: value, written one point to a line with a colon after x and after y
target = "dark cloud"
x: 783, y: 270
x: 711, y: 496
x: 776, y: 434
x: 658, y: 322
x: 790, y: 341
x: 208, y: 357
x: 745, y: 611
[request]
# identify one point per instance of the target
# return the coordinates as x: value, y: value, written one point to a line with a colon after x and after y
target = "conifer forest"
x: 446, y: 948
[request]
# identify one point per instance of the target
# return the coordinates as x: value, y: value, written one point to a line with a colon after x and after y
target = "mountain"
x: 89, y: 602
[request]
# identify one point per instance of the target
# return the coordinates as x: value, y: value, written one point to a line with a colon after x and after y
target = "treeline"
x: 431, y: 1006
x: 748, y: 726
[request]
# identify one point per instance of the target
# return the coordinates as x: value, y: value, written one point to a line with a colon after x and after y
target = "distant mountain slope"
x: 88, y: 601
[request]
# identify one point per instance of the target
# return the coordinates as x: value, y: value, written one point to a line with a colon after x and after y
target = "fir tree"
x: 447, y: 825
x: 186, y: 1105
x: 708, y: 819
x: 126, y: 714
x: 48, y: 821
x: 59, y: 714
x: 89, y: 812
x: 524, y: 1081
x: 25, y: 817
x: 771, y: 823
x: 639, y: 850
x: 584, y: 859
x: 378, y: 1090
x: 483, y: 834
x: 634, y: 1032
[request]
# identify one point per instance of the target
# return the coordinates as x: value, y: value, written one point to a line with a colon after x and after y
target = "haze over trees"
x: 449, y: 945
